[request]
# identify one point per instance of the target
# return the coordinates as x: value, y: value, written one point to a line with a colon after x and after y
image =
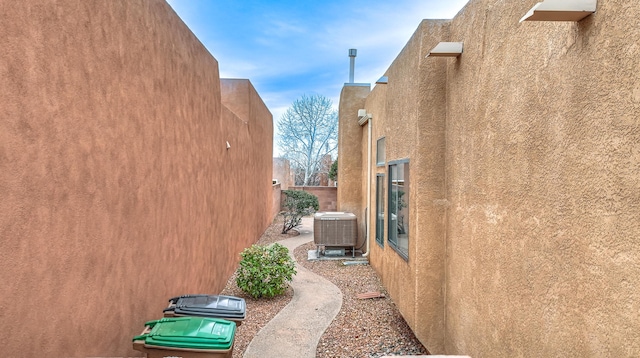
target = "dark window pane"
x: 398, y: 229
x: 380, y: 209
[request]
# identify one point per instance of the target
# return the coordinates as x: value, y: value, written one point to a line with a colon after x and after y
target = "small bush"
x: 297, y: 204
x: 333, y: 171
x: 265, y: 271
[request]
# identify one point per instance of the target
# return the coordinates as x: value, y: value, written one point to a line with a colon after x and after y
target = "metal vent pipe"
x: 352, y: 59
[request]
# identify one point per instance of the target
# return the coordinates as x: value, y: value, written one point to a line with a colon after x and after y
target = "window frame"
x: 392, y: 237
x: 380, y: 208
x: 381, y: 152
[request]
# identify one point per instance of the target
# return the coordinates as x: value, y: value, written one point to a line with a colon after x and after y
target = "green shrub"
x: 265, y: 270
x: 333, y: 171
x: 297, y: 204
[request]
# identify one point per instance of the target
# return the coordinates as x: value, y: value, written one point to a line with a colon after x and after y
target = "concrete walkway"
x: 296, y: 330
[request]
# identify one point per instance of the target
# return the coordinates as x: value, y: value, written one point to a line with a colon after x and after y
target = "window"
x: 380, y: 157
x: 380, y: 209
x: 399, y: 207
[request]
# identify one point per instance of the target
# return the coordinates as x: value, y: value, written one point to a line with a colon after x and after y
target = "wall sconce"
x: 228, y: 145
x: 561, y: 10
x: 446, y: 49
x: 363, y: 116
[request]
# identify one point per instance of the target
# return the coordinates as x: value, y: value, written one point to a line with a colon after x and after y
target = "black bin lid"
x: 209, y: 306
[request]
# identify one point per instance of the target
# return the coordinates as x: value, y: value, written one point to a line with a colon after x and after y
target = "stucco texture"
x: 409, y: 112
x: 350, y: 157
x: 282, y: 172
x: 543, y: 153
x: 327, y: 196
x: 117, y: 188
x: 525, y: 162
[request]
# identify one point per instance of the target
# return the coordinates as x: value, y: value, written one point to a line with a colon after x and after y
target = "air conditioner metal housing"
x: 335, y: 229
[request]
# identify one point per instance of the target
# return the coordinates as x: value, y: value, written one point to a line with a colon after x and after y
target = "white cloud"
x: 287, y: 53
x: 284, y: 29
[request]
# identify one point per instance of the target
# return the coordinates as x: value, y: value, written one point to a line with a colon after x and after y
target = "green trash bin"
x: 187, y: 337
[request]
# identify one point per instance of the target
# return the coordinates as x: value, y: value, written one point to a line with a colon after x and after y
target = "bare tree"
x: 308, y: 130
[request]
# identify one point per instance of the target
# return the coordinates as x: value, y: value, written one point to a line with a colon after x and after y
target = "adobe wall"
x: 523, y: 155
x: 429, y: 183
x: 276, y: 200
x: 543, y: 151
x: 327, y: 196
x: 410, y: 113
x: 117, y: 189
x: 253, y: 156
x: 282, y: 172
x: 376, y: 106
x: 350, y: 192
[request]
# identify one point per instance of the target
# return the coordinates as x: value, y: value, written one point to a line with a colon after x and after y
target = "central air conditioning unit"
x: 335, y: 229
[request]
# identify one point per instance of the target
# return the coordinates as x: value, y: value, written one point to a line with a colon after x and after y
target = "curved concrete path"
x: 296, y: 330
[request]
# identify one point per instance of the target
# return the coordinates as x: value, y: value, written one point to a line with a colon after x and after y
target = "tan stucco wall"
x: 350, y: 190
x: 524, y: 157
x: 282, y: 172
x: 117, y: 189
x: 409, y: 112
x: 544, y: 165
x: 276, y: 200
x: 327, y: 196
x: 250, y: 154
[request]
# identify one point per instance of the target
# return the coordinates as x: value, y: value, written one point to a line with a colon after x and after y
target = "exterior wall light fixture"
x: 446, y: 49
x: 363, y: 116
x: 561, y: 10
x: 382, y: 80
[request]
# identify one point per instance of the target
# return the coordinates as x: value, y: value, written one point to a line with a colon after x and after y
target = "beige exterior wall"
x: 524, y: 157
x: 276, y: 200
x: 282, y: 172
x: 327, y: 196
x: 117, y: 188
x: 409, y: 113
x: 250, y: 147
x: 350, y: 155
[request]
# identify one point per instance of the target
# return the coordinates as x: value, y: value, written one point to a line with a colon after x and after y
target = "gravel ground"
x: 363, y: 328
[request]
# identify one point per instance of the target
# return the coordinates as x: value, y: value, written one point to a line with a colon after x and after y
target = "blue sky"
x: 290, y: 48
